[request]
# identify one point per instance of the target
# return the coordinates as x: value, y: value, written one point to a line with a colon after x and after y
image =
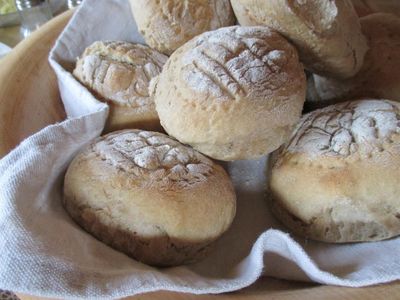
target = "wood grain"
x: 29, y: 100
x: 367, y: 7
x: 29, y: 97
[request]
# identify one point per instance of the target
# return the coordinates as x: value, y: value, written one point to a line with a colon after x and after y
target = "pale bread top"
x: 237, y: 62
x: 120, y: 72
x: 146, y: 182
x: 337, y: 179
x: 327, y: 33
x: 232, y: 93
x: 168, y: 24
x: 351, y: 131
x: 153, y: 160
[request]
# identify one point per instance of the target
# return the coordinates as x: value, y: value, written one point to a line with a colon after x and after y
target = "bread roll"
x: 234, y: 93
x: 379, y: 77
x: 337, y: 180
x: 168, y: 24
x: 150, y: 197
x: 326, y: 32
x: 119, y: 74
x: 367, y: 7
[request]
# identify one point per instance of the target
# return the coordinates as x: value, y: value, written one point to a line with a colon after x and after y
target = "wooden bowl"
x: 29, y: 100
x: 29, y: 97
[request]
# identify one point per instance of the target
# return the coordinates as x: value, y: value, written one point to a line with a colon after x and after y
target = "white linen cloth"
x: 4, y: 49
x: 44, y: 253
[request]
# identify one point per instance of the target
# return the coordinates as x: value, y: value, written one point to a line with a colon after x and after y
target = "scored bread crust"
x: 149, y: 196
x: 379, y: 75
x: 337, y: 178
x: 119, y: 73
x: 326, y: 32
x: 168, y: 24
x: 233, y: 93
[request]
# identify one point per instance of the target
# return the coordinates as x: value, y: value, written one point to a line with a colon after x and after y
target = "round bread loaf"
x: 367, y: 7
x: 337, y: 180
x: 150, y: 197
x: 234, y: 93
x: 326, y: 32
x: 379, y: 77
x: 168, y: 24
x: 119, y: 74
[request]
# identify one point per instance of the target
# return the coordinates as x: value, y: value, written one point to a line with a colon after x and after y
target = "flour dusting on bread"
x: 236, y: 61
x: 153, y: 155
x: 347, y: 128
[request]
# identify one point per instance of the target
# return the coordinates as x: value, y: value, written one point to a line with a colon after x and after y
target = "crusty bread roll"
x: 168, y: 24
x: 326, y: 32
x: 234, y: 93
x: 379, y: 77
x: 119, y: 73
x: 337, y: 180
x: 367, y: 7
x: 149, y: 196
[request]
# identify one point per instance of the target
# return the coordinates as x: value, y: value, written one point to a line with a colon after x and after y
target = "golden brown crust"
x: 337, y: 178
x: 160, y: 250
x: 327, y: 33
x: 379, y: 75
x: 119, y: 73
x: 168, y: 24
x: 233, y: 93
x: 150, y: 197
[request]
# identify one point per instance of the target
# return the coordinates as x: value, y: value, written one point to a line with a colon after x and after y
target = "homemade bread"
x: 168, y: 24
x: 234, y: 93
x: 149, y: 196
x: 337, y: 180
x: 379, y: 77
x: 119, y: 74
x: 326, y: 32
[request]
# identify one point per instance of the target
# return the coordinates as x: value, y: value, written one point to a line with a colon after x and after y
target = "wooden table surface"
x: 270, y: 288
x: 20, y: 118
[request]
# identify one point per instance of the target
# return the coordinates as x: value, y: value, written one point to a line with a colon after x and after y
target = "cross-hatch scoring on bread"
x: 147, y: 195
x: 119, y: 73
x: 232, y: 93
x: 352, y: 128
x: 337, y: 179
x: 154, y: 159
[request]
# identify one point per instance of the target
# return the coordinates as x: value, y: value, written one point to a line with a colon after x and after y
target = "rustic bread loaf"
x: 234, y: 93
x: 337, y: 180
x: 119, y: 74
x: 379, y: 76
x: 168, y: 24
x: 149, y: 196
x: 326, y: 32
